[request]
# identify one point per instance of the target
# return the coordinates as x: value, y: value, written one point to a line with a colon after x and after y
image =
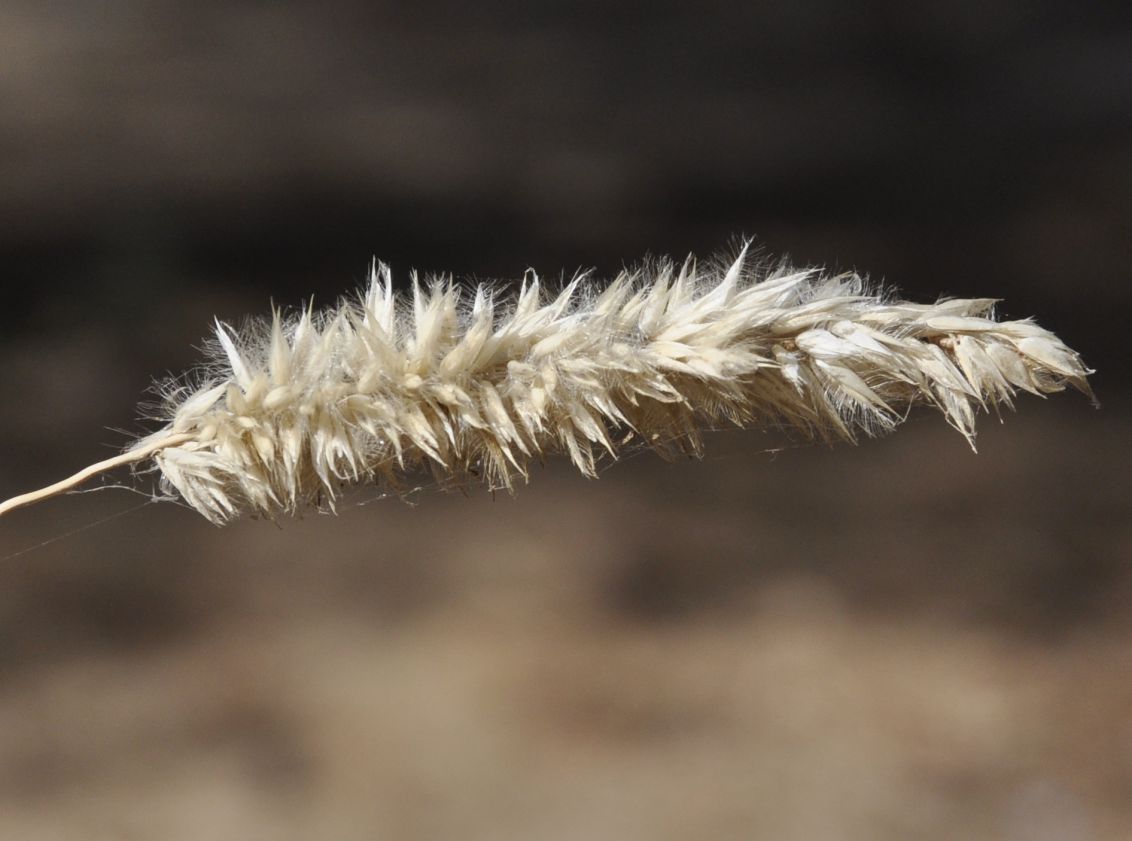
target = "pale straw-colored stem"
x: 140, y: 454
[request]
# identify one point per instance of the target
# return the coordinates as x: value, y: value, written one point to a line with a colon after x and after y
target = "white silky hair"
x: 472, y: 384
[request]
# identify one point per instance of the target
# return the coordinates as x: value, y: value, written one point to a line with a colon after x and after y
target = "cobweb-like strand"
x: 474, y: 385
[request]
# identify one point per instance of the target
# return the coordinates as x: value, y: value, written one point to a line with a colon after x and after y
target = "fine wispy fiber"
x: 474, y: 385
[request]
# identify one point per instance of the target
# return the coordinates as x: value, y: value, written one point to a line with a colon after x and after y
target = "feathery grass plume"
x: 289, y: 412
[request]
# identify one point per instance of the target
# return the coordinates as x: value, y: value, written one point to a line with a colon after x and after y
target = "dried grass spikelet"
x: 289, y: 412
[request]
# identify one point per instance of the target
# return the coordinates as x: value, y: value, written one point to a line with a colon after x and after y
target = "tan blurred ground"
x: 898, y: 640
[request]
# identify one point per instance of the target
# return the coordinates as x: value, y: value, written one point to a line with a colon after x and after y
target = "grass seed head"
x: 473, y: 385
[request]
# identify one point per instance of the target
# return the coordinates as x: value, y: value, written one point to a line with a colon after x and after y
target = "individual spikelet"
x: 472, y: 385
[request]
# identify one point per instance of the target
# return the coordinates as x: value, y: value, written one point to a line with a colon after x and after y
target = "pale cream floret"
x: 471, y: 386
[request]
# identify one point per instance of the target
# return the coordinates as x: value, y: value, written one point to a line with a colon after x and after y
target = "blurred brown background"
x: 891, y: 641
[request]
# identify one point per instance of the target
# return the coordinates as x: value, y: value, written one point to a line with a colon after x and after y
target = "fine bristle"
x: 289, y: 412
